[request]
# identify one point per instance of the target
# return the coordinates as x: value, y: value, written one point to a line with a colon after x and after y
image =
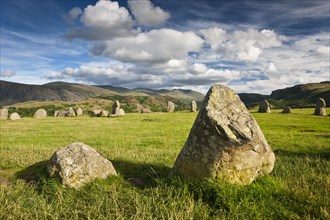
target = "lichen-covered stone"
x: 3, y: 114
x: 70, y: 112
x: 193, y: 106
x: 264, y: 107
x: 14, y: 116
x: 170, y: 106
x: 40, y: 113
x: 115, y: 107
x: 320, y: 108
x: 78, y: 164
x: 287, y: 109
x: 225, y: 142
x: 79, y: 112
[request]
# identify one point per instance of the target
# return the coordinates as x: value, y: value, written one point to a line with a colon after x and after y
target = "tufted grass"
x: 143, y: 148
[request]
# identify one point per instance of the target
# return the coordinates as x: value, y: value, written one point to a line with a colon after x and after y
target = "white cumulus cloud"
x: 104, y: 20
x: 145, y: 13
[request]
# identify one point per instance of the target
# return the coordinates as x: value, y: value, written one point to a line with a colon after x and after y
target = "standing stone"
x: 264, y: 107
x: 286, y: 109
x: 79, y: 111
x: 104, y: 113
x: 225, y: 142
x: 170, y: 106
x: 78, y: 164
x: 320, y: 108
x: 97, y: 112
x: 14, y: 116
x: 70, y: 112
x: 115, y: 107
x: 145, y: 110
x: 40, y: 113
x: 193, y: 106
x: 3, y: 114
x: 61, y: 113
x: 56, y: 113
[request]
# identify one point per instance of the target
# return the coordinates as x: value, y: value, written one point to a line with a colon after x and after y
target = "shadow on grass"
x: 34, y: 173
x: 324, y: 154
x: 141, y: 174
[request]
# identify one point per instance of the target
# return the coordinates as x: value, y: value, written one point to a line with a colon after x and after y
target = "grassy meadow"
x: 143, y: 148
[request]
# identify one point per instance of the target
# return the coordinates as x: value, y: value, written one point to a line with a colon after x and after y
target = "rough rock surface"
x: 3, y: 114
x: 14, y: 116
x: 193, y: 106
x: 104, y: 113
x: 56, y: 113
x: 145, y: 110
x: 225, y: 142
x: 115, y: 107
x: 79, y: 111
x: 97, y: 112
x: 170, y: 106
x: 320, y: 108
x: 287, y: 109
x: 40, y: 113
x: 78, y: 164
x: 264, y: 107
x: 61, y: 113
x: 70, y: 112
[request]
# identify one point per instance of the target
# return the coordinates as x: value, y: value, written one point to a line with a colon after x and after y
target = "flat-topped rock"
x: 225, y: 143
x: 40, y: 113
x: 78, y: 164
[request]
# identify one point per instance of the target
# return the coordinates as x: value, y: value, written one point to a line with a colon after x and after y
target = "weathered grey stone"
x: 104, y: 113
x: 56, y: 113
x: 78, y: 164
x: 40, y: 113
x: 225, y: 142
x: 320, y: 108
x: 3, y: 114
x: 287, y: 109
x: 70, y: 112
x: 145, y: 110
x: 79, y: 111
x: 115, y: 107
x: 193, y: 106
x: 264, y: 107
x: 97, y: 112
x: 14, y: 116
x: 118, y: 112
x: 170, y: 106
x: 61, y: 113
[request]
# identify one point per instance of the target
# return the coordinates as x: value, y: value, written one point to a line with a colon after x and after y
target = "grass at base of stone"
x: 143, y: 148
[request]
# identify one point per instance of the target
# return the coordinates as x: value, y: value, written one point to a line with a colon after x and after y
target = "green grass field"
x: 143, y: 148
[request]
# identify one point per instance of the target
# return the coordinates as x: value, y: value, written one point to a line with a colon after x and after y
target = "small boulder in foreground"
x: 78, y: 164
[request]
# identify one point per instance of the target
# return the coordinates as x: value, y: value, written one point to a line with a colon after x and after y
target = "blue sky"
x: 248, y: 45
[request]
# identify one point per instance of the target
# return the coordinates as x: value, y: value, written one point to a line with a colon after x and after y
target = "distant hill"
x: 303, y: 95
x: 12, y: 93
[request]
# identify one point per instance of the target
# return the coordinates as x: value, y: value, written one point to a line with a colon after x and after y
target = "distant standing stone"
x: 78, y: 164
x: 79, y: 111
x: 286, y: 109
x: 104, y: 113
x: 70, y: 112
x: 320, y: 108
x: 193, y: 106
x: 170, y: 106
x: 264, y: 107
x: 145, y: 110
x: 56, y: 113
x: 40, y: 113
x: 61, y: 113
x: 14, y: 116
x: 115, y: 107
x: 97, y: 112
x: 3, y: 114
x: 225, y: 142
